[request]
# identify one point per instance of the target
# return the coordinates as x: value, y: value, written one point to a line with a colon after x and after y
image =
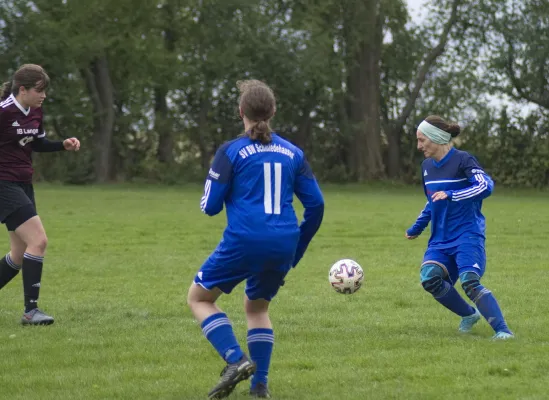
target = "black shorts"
x: 17, y: 204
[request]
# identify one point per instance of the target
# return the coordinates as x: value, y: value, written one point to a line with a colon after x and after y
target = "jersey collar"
x: 19, y: 106
x: 445, y: 159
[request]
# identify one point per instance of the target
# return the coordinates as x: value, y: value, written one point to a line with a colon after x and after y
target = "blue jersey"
x: 256, y: 182
x: 458, y: 219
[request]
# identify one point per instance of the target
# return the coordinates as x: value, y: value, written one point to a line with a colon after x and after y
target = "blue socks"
x: 489, y: 308
x: 451, y: 299
x: 485, y: 301
x: 260, y: 345
x: 218, y: 330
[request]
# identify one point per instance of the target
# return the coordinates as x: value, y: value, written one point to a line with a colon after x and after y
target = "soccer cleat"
x: 231, y: 375
x: 261, y: 391
x: 503, y: 336
x: 467, y: 322
x: 36, y: 317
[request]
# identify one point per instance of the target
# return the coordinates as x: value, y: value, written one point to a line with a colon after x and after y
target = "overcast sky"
x: 415, y: 6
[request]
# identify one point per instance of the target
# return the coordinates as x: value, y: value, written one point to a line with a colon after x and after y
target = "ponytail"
x: 6, y: 90
x: 262, y: 132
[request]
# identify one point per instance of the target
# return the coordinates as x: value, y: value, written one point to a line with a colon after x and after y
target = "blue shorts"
x: 264, y: 269
x: 467, y: 257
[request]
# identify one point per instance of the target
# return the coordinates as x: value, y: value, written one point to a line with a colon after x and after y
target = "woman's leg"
x: 218, y: 330
x: 471, y: 261
x: 32, y: 233
x: 10, y: 264
x: 260, y: 343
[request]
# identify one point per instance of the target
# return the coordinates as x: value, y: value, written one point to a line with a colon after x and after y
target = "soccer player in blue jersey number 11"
x: 255, y: 176
x: 455, y: 185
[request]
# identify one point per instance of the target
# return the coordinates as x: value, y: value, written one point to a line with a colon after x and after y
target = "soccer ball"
x: 346, y: 276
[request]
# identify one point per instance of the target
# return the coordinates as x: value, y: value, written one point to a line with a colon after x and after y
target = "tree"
x: 394, y: 127
x: 517, y: 46
x: 171, y: 29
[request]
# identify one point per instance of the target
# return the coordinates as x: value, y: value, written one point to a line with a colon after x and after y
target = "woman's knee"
x: 32, y: 233
x: 191, y: 297
x: 37, y: 245
x: 197, y: 294
x: 470, y: 282
x: 432, y: 278
x: 40, y: 243
x: 256, y: 307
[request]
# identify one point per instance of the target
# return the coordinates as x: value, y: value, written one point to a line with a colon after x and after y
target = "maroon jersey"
x: 18, y: 128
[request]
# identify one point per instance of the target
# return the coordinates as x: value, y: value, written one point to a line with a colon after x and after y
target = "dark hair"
x: 451, y: 127
x: 258, y: 104
x: 29, y: 76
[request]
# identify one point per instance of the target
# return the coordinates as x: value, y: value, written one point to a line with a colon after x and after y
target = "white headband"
x: 435, y: 135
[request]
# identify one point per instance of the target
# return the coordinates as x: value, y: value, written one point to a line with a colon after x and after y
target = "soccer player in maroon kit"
x: 21, y: 133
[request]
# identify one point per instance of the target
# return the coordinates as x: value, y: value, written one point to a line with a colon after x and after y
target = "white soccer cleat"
x: 467, y: 322
x: 503, y: 336
x: 36, y: 317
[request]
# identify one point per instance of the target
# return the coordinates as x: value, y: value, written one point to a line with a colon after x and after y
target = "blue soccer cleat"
x: 467, y: 323
x: 503, y: 336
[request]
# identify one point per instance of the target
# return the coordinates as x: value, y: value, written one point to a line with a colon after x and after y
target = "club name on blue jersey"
x: 257, y: 148
x: 256, y: 183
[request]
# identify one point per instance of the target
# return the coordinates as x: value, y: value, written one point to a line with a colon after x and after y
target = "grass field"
x: 120, y: 260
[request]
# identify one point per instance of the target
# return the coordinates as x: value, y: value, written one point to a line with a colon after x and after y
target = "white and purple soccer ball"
x: 346, y: 276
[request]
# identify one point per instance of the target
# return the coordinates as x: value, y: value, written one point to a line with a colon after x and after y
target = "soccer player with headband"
x: 455, y: 185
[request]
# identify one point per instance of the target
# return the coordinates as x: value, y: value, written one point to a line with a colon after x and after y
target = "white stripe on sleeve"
x: 204, y: 200
x: 473, y: 191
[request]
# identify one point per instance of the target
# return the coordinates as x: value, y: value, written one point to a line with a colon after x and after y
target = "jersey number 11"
x: 268, y: 196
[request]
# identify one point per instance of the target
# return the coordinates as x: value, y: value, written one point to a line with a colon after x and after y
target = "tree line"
x: 149, y: 85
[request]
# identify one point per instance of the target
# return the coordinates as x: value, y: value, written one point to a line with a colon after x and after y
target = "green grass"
x: 121, y: 258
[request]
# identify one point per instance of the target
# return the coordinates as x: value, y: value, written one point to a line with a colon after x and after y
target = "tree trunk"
x: 163, y: 126
x: 357, y: 140
x: 393, y: 152
x: 363, y: 86
x: 372, y: 92
x: 304, y: 131
x: 205, y: 153
x: 101, y: 91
